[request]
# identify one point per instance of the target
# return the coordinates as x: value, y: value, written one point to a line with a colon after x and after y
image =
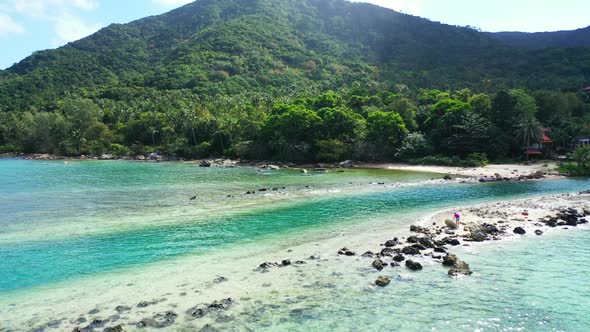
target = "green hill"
x: 221, y: 46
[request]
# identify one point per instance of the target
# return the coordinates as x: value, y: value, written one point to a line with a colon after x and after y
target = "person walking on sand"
x: 457, y: 218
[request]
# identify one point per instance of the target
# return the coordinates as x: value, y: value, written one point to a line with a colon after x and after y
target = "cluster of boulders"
x: 567, y: 217
x: 201, y: 310
x: 498, y: 178
x: 159, y: 320
x: 425, y: 243
x: 285, y: 262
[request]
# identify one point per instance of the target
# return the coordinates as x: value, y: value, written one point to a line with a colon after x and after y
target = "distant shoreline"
x: 489, y: 173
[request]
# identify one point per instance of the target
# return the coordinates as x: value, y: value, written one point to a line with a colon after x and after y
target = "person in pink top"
x: 457, y: 218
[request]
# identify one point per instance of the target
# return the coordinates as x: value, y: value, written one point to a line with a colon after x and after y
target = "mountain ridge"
x: 219, y: 46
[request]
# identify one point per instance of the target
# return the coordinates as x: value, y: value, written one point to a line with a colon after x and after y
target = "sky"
x: 30, y: 25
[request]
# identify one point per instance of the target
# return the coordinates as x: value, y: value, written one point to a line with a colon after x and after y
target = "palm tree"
x: 528, y: 129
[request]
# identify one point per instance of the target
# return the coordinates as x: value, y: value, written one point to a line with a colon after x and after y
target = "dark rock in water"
x: 519, y: 230
x: 193, y: 198
x: 262, y: 189
x: 412, y: 239
x: 410, y: 250
x: 414, y: 266
x: 122, y: 308
x: 392, y: 243
x: 286, y: 262
x: 219, y: 280
x: 117, y: 328
x: 382, y: 281
x: 314, y: 257
x: 450, y: 260
x: 426, y: 242
x: 582, y: 221
x: 93, y: 312
x: 394, y: 264
x: 572, y: 222
x: 458, y: 266
x: 539, y: 232
x: 300, y: 262
x: 447, y: 177
x: 378, y: 264
x: 205, y: 163
x: 440, y: 250
x: 399, y: 258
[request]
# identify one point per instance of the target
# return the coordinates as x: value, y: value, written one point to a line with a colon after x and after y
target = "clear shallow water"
x: 36, y: 194
x: 536, y: 284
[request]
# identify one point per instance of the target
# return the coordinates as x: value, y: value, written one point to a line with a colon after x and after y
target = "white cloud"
x: 42, y: 8
x: 60, y: 14
x: 70, y: 28
x: 172, y: 3
x: 8, y: 25
x: 407, y: 6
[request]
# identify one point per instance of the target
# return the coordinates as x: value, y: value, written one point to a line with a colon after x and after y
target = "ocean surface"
x: 66, y: 226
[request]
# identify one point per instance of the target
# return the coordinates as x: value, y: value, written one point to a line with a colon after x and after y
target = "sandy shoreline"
x: 503, y: 170
x: 181, y: 286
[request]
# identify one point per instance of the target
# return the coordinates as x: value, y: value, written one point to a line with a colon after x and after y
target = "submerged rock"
x: 539, y: 232
x: 220, y: 280
x: 382, y: 281
x: 122, y: 308
x: 117, y: 328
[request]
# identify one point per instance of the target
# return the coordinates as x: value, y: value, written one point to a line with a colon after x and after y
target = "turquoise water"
x: 524, y: 279
x: 529, y: 285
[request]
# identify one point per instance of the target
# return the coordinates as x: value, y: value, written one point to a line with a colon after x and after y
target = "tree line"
x: 368, y: 121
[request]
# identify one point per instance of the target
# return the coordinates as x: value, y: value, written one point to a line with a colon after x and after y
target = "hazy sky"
x: 30, y: 25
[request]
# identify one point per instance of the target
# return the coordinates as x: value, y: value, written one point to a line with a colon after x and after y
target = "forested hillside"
x: 297, y: 80
x: 539, y: 40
